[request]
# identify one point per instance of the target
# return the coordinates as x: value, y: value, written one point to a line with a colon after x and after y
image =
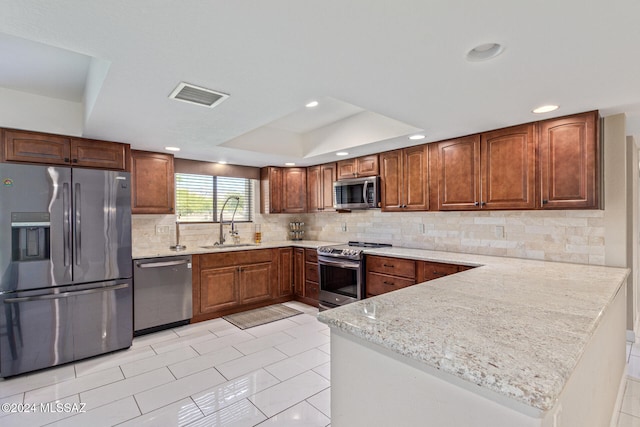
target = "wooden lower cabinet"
x: 255, y: 282
x: 298, y: 272
x: 228, y: 282
x: 285, y: 271
x: 306, y: 284
x: 386, y: 274
x: 218, y: 290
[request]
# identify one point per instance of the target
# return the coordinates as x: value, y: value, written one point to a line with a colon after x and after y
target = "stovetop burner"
x: 352, y: 250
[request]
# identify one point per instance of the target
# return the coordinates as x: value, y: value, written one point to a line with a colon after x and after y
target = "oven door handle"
x: 341, y: 264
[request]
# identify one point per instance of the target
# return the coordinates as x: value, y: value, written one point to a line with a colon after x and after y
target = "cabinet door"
x: 218, y: 289
x: 270, y: 190
x: 36, y: 147
x: 391, y: 181
x: 327, y: 177
x: 415, y: 173
x: 569, y: 162
x: 255, y: 282
x: 314, y: 189
x: 98, y: 154
x: 285, y: 271
x: 294, y: 190
x: 367, y: 166
x: 508, y: 168
x: 298, y: 271
x: 459, y: 174
x: 152, y: 183
x: 347, y: 169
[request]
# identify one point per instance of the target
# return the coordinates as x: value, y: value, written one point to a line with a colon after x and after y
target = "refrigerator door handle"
x: 65, y: 294
x: 66, y: 225
x: 78, y: 234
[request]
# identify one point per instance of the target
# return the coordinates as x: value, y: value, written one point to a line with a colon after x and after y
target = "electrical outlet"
x: 423, y: 228
x: 162, y: 229
x: 499, y: 231
x: 344, y: 226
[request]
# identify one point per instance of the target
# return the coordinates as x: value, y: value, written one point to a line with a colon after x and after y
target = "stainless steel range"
x: 341, y: 273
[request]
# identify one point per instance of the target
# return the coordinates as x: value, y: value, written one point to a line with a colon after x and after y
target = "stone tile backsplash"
x: 565, y: 236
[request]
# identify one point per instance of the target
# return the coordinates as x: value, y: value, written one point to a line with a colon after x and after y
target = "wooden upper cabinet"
x: 153, y: 185
x: 508, y: 168
x: 458, y: 172
x: 271, y: 190
x: 99, y: 154
x: 568, y: 149
x: 494, y: 170
x: 404, y: 179
x: 294, y: 190
x: 320, y: 187
x: 359, y: 167
x: 283, y: 190
x: 35, y: 147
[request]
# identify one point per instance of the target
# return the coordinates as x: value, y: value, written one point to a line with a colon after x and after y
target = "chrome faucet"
x: 221, y: 240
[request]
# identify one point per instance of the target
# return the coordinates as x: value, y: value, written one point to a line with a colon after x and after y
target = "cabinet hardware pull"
x: 483, y: 203
x: 476, y: 204
x: 545, y: 201
x: 388, y: 283
x: 75, y: 160
x: 66, y: 159
x: 388, y: 265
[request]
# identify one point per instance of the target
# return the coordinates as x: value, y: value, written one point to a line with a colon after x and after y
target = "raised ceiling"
x: 381, y: 71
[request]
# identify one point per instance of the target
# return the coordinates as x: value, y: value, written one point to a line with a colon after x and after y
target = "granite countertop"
x: 192, y: 250
x: 515, y: 327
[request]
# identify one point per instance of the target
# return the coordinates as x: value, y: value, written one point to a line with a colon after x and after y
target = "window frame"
x: 248, y: 195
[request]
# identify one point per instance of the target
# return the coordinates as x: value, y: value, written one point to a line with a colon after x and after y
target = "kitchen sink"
x: 228, y: 245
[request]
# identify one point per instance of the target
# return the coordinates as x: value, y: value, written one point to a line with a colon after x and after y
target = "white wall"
x: 21, y: 110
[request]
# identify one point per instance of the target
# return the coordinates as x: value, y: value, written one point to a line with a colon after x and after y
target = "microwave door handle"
x: 364, y: 192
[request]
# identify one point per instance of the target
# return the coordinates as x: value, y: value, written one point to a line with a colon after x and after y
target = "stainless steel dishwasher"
x: 162, y: 295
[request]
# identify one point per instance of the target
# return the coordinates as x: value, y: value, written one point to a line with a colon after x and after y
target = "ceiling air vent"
x: 198, y: 95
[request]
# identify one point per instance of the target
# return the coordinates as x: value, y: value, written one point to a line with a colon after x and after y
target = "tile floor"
x: 206, y: 374
x: 629, y: 415
x: 211, y: 374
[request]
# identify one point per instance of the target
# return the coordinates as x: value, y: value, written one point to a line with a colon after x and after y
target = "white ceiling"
x: 381, y: 71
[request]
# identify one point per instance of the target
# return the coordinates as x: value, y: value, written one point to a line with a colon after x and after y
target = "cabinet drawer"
x: 311, y: 271
x: 382, y: 283
x: 393, y: 266
x: 434, y: 270
x: 311, y: 255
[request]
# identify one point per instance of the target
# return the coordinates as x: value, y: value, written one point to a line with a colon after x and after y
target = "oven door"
x: 340, y: 281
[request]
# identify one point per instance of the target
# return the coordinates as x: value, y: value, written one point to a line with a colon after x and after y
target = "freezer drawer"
x: 39, y: 329
x: 163, y: 292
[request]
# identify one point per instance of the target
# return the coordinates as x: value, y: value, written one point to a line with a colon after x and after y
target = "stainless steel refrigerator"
x: 65, y: 265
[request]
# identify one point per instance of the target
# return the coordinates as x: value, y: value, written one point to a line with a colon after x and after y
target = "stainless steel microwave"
x: 356, y: 193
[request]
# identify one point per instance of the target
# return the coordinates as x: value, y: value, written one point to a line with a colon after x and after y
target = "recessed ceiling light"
x: 485, y: 51
x: 172, y: 148
x: 222, y: 162
x: 416, y: 137
x: 342, y: 153
x: 289, y: 164
x: 312, y: 104
x: 545, y: 109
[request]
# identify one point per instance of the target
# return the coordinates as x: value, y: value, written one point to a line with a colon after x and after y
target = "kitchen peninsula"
x: 511, y: 343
